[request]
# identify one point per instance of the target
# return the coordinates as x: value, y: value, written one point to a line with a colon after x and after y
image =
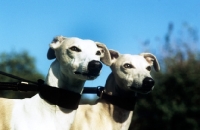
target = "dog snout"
x: 148, y: 83
x: 94, y: 67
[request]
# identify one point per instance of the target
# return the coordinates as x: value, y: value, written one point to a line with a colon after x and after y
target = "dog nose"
x: 94, y: 67
x: 148, y: 83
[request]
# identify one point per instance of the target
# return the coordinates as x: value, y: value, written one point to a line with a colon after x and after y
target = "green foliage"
x: 174, y: 104
x: 19, y: 64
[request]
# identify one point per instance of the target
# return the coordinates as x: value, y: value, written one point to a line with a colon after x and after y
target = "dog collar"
x: 127, y: 103
x: 61, y: 97
x: 56, y: 96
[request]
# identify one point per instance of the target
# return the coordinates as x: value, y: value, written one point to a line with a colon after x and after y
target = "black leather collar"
x: 61, y: 97
x: 65, y: 98
x: 124, y: 102
x: 127, y: 103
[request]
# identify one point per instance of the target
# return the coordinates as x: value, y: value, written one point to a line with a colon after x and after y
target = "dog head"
x: 79, y: 58
x: 132, y: 72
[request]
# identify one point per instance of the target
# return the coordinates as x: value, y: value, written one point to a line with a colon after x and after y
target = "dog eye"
x: 98, y: 53
x: 128, y: 65
x: 149, y: 68
x: 75, y: 49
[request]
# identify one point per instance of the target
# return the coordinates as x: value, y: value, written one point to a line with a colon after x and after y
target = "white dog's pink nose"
x: 94, y: 67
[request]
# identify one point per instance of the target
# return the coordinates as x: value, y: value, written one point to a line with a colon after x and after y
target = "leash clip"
x: 101, y: 94
x: 100, y: 91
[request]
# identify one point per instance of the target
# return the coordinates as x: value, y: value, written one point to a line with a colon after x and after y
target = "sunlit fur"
x: 37, y: 114
x: 104, y: 115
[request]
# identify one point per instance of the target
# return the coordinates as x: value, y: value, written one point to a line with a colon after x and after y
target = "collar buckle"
x: 100, y: 91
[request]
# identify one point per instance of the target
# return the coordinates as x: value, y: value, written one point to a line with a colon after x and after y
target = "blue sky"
x: 121, y: 25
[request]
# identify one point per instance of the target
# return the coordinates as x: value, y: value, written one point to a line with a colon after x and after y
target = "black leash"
x: 93, y: 90
x: 19, y: 86
x: 27, y: 85
x: 16, y: 77
x: 55, y: 96
x: 61, y: 97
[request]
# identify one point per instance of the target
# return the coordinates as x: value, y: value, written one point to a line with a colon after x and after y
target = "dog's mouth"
x: 90, y: 76
x: 142, y: 90
x: 93, y: 70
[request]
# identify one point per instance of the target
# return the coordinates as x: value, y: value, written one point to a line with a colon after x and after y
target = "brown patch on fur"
x: 6, y: 106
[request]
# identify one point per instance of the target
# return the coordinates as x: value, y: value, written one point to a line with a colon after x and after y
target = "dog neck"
x: 63, y: 89
x: 57, y: 79
x: 112, y: 91
x: 120, y: 118
x: 112, y: 88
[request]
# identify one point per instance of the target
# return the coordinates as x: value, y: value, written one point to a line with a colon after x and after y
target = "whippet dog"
x: 114, y: 110
x: 77, y: 60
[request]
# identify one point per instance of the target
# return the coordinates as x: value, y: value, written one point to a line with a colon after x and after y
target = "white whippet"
x: 113, y: 111
x: 76, y: 61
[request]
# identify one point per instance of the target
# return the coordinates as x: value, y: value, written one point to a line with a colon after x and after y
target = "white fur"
x: 35, y: 113
x: 121, y: 82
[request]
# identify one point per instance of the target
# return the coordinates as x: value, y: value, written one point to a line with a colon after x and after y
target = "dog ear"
x: 56, y: 42
x: 152, y: 60
x: 51, y: 54
x: 114, y: 55
x: 105, y: 54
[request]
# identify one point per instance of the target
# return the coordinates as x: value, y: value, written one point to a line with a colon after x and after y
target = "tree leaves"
x: 175, y: 102
x: 19, y: 64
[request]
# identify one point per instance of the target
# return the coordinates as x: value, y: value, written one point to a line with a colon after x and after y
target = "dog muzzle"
x: 94, y: 67
x: 147, y: 86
